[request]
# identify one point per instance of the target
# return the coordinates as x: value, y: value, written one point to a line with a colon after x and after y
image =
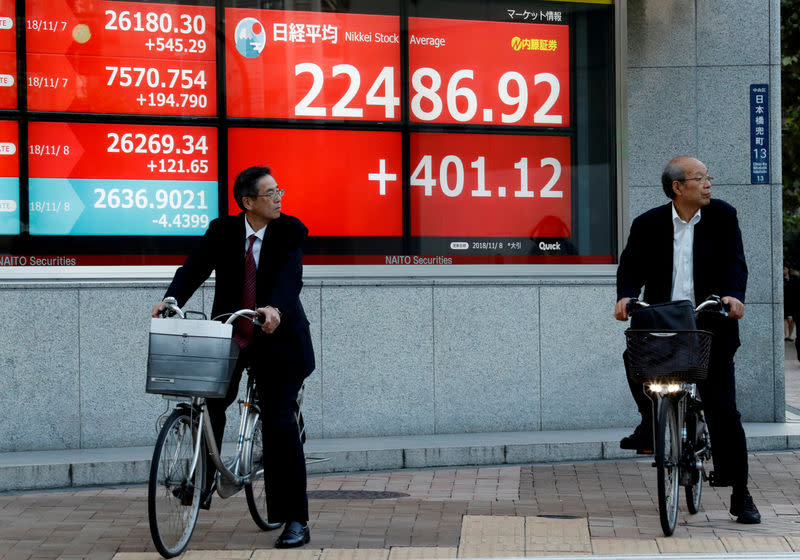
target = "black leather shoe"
x: 744, y: 509
x: 641, y: 440
x: 294, y: 534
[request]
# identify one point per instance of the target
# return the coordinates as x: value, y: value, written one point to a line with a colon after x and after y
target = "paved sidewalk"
x: 603, y: 508
x: 606, y: 507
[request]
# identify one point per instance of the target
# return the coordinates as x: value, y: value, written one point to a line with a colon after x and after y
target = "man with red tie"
x: 257, y: 259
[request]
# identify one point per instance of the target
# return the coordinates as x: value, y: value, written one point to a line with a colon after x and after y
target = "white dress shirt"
x: 682, y: 256
x: 248, y: 231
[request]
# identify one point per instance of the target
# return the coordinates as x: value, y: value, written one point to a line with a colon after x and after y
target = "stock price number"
x: 139, y: 143
x: 131, y: 76
x: 175, y: 199
x: 380, y: 93
x: 171, y: 165
x: 423, y: 176
x: 428, y: 102
x: 185, y: 221
x: 153, y: 22
x: 176, y: 45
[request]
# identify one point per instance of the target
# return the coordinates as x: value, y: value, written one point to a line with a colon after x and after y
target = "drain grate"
x: 353, y: 495
x: 559, y: 516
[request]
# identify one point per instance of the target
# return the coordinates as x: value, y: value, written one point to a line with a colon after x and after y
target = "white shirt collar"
x: 675, y: 216
x: 248, y: 231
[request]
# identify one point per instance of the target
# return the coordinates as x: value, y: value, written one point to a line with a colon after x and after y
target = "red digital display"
x: 9, y: 178
x: 114, y: 179
x: 311, y: 65
x: 120, y: 57
x: 479, y: 72
x: 122, y: 151
x: 340, y: 183
x: 9, y: 156
x: 8, y: 56
x: 371, y: 152
x: 480, y: 185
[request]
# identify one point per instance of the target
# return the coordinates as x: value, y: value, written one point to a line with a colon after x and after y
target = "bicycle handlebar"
x: 713, y: 301
x: 634, y: 304
x: 717, y: 305
x: 173, y: 309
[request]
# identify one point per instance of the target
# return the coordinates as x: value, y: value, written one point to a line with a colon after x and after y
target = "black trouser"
x: 284, y: 459
x: 718, y: 393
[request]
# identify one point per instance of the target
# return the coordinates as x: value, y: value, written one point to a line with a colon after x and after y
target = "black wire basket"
x: 668, y: 355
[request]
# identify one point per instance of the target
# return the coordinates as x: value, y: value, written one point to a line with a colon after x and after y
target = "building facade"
x: 429, y: 348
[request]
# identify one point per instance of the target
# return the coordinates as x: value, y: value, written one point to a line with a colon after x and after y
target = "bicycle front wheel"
x: 667, y: 465
x: 256, y: 490
x: 173, y: 497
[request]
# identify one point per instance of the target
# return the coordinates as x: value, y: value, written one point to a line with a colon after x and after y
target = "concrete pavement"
x: 571, y: 508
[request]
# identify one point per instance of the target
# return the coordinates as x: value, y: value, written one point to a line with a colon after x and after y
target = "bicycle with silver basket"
x: 190, y: 361
x: 669, y: 363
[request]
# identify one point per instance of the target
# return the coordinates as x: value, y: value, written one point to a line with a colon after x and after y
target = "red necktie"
x: 244, y: 327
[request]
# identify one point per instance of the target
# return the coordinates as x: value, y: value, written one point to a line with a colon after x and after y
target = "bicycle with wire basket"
x: 188, y: 362
x: 669, y: 364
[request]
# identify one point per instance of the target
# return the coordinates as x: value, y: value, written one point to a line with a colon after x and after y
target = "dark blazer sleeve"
x: 197, y: 267
x: 646, y: 260
x: 280, y: 272
x: 630, y: 276
x: 719, y: 262
x: 289, y: 270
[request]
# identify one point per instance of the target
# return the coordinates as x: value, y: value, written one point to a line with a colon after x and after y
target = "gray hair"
x: 672, y: 172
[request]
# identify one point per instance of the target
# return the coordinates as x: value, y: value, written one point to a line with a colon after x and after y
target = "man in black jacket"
x: 689, y: 249
x: 257, y: 260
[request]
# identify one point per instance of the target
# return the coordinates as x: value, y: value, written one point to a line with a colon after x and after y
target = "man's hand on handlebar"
x: 271, y: 319
x: 736, y: 310
x: 158, y: 310
x: 620, y: 310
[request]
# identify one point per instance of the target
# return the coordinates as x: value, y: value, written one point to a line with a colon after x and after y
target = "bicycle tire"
x: 256, y: 491
x: 667, y: 465
x: 173, y: 501
x: 694, y: 491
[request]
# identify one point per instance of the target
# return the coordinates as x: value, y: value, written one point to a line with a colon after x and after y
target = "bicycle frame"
x: 231, y: 472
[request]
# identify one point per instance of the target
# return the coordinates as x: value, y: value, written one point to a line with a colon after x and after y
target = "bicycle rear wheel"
x: 256, y: 490
x: 694, y: 490
x: 667, y: 465
x: 173, y: 499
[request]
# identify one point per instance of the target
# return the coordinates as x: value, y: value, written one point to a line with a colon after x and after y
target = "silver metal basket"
x: 192, y: 358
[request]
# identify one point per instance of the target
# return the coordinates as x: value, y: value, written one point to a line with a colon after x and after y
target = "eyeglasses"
x: 272, y: 195
x: 702, y: 179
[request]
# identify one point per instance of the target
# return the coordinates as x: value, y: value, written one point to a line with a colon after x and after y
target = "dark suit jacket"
x: 287, y: 351
x: 719, y: 264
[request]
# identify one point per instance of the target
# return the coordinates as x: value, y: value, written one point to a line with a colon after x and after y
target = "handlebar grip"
x: 631, y: 306
x: 259, y: 320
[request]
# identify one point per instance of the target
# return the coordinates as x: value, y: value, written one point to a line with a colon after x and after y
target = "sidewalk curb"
x: 32, y: 470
